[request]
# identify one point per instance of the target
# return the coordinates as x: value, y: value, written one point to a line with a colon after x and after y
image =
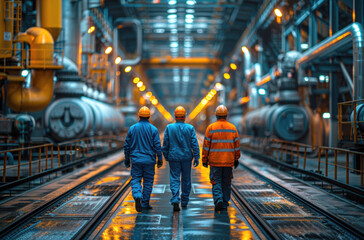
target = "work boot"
x: 218, y: 206
x: 184, y: 205
x: 138, y: 205
x: 176, y: 207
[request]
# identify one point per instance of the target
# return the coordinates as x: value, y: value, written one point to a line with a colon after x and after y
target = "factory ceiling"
x: 177, y: 34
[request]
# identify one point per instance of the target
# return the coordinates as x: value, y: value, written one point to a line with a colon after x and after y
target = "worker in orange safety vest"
x: 221, y: 151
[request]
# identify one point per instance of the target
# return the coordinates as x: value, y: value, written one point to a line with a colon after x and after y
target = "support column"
x: 312, y: 31
x: 358, y: 11
x: 334, y: 93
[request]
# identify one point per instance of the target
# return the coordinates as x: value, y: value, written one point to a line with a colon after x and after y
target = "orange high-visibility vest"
x: 221, y: 144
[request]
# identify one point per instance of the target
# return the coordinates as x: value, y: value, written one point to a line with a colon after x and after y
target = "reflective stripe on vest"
x: 222, y: 130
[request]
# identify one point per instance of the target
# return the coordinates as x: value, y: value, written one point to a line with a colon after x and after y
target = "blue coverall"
x: 180, y: 146
x: 142, y: 144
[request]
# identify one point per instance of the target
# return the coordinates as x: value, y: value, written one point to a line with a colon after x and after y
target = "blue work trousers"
x: 220, y: 178
x: 180, y: 170
x: 146, y: 172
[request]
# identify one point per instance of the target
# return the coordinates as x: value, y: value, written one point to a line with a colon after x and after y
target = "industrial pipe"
x: 40, y: 93
x: 352, y: 33
x: 71, y: 21
x: 122, y: 22
x: 347, y: 77
x: 49, y: 16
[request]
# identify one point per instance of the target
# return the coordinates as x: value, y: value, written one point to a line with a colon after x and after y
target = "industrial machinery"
x: 283, y: 117
x: 77, y: 101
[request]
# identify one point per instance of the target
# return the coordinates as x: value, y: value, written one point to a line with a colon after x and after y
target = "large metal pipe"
x: 347, y: 77
x: 129, y: 22
x: 49, y: 16
x: 71, y: 13
x: 352, y: 33
x: 40, y: 93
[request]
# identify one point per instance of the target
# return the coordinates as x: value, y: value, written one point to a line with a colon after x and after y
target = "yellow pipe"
x: 40, y: 93
x: 51, y: 16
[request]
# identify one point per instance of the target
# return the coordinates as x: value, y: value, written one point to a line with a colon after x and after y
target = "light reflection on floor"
x: 198, y: 221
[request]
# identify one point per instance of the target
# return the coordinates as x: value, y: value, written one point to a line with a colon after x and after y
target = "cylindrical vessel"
x: 70, y: 118
x: 51, y: 16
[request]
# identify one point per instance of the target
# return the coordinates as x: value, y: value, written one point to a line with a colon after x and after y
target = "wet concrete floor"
x: 197, y: 221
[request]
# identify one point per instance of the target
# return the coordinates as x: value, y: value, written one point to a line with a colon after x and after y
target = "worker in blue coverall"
x: 180, y: 146
x: 141, y: 146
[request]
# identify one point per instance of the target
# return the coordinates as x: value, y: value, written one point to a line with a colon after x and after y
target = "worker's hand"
x: 205, y: 164
x: 236, y: 164
x: 127, y: 163
x: 196, y: 162
x: 159, y: 163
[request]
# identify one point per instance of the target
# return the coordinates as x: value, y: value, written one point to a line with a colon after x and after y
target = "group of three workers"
x: 180, y: 146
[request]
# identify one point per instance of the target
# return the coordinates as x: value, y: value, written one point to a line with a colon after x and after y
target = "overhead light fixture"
x: 172, y: 16
x: 24, y: 73
x: 190, y: 11
x: 213, y: 91
x: 117, y: 60
x: 159, y: 30
x: 218, y: 86
x: 155, y: 102
x: 151, y: 98
x: 304, y: 46
x: 149, y: 94
x: 173, y: 44
x: 172, y: 10
x: 191, y: 2
x: 261, y: 91
x: 136, y: 80
x: 142, y: 88
x: 172, y: 20
x: 233, y: 66
x: 139, y: 84
x: 278, y: 12
x: 326, y: 115
x: 189, y: 16
x: 204, y: 101
x: 226, y: 76
x: 91, y: 29
x: 172, y: 2
x: 176, y: 78
x: 127, y: 69
x: 108, y: 50
x: 244, y: 49
x: 189, y: 20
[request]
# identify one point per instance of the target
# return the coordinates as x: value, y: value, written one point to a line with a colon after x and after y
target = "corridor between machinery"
x: 198, y: 220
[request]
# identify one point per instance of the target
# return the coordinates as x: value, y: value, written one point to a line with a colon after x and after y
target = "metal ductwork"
x: 129, y: 22
x: 71, y: 22
x: 352, y: 33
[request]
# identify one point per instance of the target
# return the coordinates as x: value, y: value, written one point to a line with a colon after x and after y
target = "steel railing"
x: 36, y: 159
x: 328, y: 161
x: 349, y: 126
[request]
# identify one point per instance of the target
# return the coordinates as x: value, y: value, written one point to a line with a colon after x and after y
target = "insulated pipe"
x: 40, y: 93
x: 121, y: 22
x: 71, y: 21
x: 347, y: 76
x: 352, y: 33
x: 49, y: 16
